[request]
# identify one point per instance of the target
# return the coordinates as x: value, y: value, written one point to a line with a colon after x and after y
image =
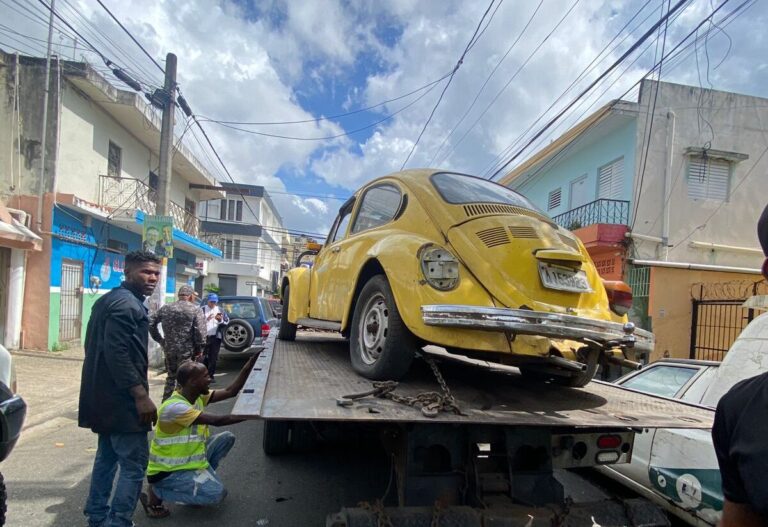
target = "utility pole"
x: 43, y: 139
x: 166, y: 137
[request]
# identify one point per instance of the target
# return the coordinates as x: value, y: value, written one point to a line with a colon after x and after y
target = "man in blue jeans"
x: 114, y: 393
x: 183, y: 456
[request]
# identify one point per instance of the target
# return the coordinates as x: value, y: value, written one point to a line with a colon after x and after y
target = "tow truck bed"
x: 302, y: 380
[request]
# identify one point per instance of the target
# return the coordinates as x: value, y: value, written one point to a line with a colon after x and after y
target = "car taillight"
x: 609, y: 441
x: 265, y: 330
x: 439, y: 267
x: 619, y: 296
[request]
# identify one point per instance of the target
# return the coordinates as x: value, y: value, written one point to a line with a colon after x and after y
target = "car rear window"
x: 458, y: 189
x: 661, y: 380
x: 240, y: 308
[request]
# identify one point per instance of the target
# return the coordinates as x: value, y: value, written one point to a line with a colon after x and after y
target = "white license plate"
x: 564, y: 279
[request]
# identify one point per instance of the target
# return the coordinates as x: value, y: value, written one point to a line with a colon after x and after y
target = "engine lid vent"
x: 570, y: 242
x: 523, y: 232
x: 480, y: 209
x: 493, y: 237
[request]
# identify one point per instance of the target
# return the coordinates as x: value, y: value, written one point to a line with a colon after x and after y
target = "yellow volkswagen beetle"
x: 432, y: 257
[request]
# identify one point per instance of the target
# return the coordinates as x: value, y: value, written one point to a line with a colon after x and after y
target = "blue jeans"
x: 130, y: 452
x: 198, y: 487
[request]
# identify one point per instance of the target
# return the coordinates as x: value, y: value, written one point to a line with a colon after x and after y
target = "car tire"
x: 381, y: 347
x: 276, y: 439
x: 287, y: 330
x: 238, y: 335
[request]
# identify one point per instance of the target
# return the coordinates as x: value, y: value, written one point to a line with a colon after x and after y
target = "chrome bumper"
x: 525, y: 322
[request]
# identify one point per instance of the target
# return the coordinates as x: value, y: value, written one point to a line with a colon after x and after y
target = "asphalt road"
x: 48, y: 475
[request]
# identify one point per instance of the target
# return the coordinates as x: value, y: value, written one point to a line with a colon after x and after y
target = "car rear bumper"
x: 13, y: 411
x: 525, y: 322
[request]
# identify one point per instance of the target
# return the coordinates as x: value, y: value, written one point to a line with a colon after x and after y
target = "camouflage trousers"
x: 172, y: 362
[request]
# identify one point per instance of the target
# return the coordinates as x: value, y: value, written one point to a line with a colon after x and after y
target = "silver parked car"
x: 677, y: 469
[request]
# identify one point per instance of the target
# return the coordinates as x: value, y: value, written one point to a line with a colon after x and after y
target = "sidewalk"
x: 49, y: 381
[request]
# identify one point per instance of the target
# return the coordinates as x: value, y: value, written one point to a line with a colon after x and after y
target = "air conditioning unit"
x: 22, y: 217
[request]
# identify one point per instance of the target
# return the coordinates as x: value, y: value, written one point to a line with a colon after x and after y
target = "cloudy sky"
x: 348, y: 85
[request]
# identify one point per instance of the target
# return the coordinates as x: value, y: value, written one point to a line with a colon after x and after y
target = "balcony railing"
x: 129, y: 194
x: 612, y: 211
x: 122, y: 193
x: 184, y: 220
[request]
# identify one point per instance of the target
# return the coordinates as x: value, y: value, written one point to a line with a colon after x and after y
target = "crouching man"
x: 183, y: 456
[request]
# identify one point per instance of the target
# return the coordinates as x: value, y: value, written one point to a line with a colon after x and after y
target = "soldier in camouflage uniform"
x: 184, y: 333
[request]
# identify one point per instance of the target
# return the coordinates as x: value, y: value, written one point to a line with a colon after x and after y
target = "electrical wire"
x: 613, y: 66
x: 117, y: 21
x: 447, y: 84
x: 485, y: 83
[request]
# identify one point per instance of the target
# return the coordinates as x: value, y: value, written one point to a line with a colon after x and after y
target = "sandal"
x: 153, y: 511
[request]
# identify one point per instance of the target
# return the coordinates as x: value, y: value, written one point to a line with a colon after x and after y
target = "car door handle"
x: 335, y: 249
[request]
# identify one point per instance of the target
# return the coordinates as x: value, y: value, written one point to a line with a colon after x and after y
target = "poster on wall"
x: 158, y: 235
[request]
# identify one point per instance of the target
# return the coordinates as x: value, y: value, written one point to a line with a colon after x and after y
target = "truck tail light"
x: 609, y: 442
x: 619, y: 296
x: 265, y: 330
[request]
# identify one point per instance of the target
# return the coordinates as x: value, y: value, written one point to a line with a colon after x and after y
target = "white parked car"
x: 677, y: 469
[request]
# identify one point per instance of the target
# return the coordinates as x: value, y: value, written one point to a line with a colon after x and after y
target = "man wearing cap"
x: 183, y: 336
x: 216, y: 320
x: 739, y: 436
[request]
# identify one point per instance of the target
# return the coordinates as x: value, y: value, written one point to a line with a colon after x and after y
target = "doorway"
x: 71, y: 301
x: 580, y: 193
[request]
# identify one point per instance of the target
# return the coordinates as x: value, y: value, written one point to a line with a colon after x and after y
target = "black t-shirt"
x: 740, y: 435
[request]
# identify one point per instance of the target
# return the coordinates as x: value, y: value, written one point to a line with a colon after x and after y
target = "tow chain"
x: 382, y: 519
x: 430, y: 403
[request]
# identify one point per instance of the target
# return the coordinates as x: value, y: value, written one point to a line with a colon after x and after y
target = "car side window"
x: 341, y: 229
x: 661, y: 380
x: 240, y: 309
x: 379, y: 206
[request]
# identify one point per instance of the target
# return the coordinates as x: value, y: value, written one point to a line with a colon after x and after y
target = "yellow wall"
x: 670, y: 306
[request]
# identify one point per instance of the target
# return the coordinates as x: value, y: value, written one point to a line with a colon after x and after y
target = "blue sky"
x: 277, y: 61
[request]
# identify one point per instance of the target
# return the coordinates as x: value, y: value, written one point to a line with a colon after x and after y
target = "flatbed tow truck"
x: 472, y: 443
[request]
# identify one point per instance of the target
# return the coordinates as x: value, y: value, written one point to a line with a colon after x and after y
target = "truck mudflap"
x: 608, y: 513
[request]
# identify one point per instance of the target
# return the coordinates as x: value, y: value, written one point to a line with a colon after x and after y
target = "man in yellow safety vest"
x: 183, y: 456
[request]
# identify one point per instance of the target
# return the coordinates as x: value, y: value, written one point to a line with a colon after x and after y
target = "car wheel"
x: 276, y: 439
x: 287, y: 330
x: 238, y: 336
x: 380, y: 345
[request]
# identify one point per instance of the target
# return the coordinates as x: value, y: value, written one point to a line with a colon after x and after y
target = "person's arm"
x: 740, y: 515
x: 233, y: 389
x: 224, y: 317
x: 216, y: 420
x: 120, y: 328
x: 154, y: 320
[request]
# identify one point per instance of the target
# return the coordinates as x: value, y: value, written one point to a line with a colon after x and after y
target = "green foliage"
x: 212, y: 288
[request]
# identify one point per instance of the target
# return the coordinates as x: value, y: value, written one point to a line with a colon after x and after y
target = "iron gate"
x: 715, y: 324
x: 71, y: 306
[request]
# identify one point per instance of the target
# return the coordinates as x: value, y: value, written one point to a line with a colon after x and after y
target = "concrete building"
x: 245, y: 225
x: 99, y: 183
x: 674, y: 215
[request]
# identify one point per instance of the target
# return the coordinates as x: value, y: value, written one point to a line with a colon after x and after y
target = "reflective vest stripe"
x: 176, y: 461
x: 178, y: 440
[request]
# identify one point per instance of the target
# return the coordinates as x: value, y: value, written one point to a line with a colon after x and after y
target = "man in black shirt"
x: 114, y: 393
x: 739, y: 435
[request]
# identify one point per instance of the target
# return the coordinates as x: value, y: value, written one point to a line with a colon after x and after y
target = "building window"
x: 708, y: 178
x: 223, y: 210
x: 555, y: 198
x: 231, y: 249
x: 610, y: 180
x: 114, y: 160
x: 239, y: 211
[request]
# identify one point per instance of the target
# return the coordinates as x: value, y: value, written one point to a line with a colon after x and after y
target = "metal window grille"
x: 639, y: 280
x: 555, y: 198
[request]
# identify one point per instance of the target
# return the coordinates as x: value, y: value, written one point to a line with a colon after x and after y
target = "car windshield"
x: 661, y: 380
x: 239, y: 308
x: 458, y: 189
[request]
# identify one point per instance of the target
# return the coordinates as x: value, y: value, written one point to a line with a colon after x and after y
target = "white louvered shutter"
x: 708, y: 178
x: 610, y: 180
